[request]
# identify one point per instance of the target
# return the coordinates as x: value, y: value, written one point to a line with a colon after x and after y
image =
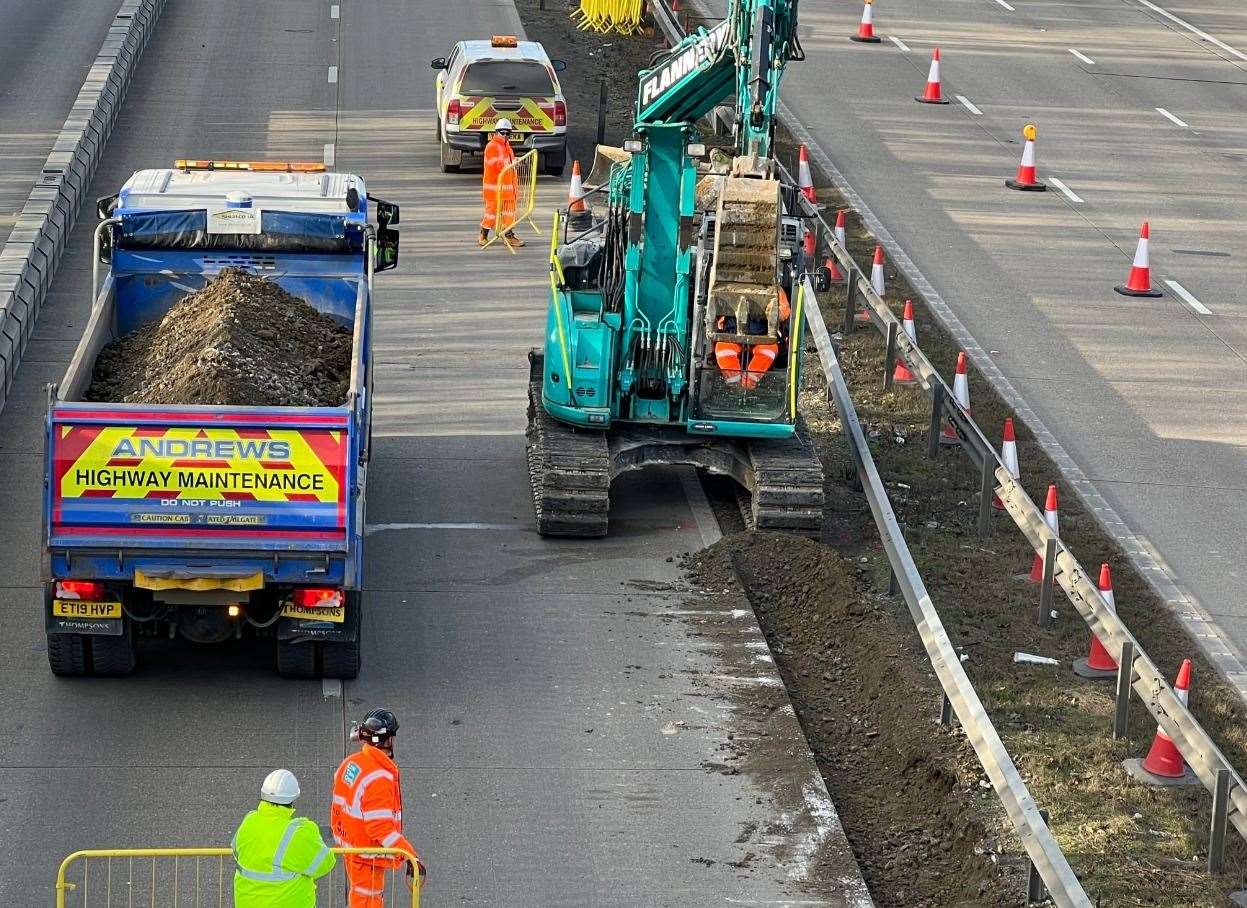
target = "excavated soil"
x: 240, y: 341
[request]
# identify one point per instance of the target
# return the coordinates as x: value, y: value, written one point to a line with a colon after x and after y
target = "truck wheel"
x: 449, y: 158
x: 342, y: 659
x: 68, y: 655
x: 296, y: 660
x: 112, y: 657
x: 555, y: 163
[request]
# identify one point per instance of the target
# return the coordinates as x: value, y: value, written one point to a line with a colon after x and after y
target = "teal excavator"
x: 675, y: 316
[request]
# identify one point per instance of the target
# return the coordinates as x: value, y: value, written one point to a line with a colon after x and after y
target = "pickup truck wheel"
x: 296, y: 660
x: 112, y: 657
x: 555, y: 163
x: 68, y: 655
x: 342, y: 659
x: 449, y: 159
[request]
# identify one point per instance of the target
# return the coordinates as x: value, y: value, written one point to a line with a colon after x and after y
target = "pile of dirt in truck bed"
x: 240, y: 341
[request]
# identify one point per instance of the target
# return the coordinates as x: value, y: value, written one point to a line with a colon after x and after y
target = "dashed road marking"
x: 1081, y: 56
x: 1069, y: 193
x: 335, y: 12
x: 333, y: 74
x: 969, y: 105
x: 899, y: 43
x: 1170, y: 117
x: 1188, y: 298
x: 1006, y: 6
x: 329, y: 154
x: 1191, y: 28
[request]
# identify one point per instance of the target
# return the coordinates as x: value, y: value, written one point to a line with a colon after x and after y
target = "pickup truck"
x: 211, y: 522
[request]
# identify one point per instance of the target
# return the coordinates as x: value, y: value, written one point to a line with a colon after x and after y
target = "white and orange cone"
x: 961, y: 392
x: 1163, y: 764
x: 1008, y: 456
x: 833, y: 269
x: 576, y: 192
x: 877, y: 282
x: 1099, y: 664
x: 1140, y: 281
x: 901, y: 374
x: 1053, y: 520
x: 866, y: 30
x: 1026, y: 180
x: 804, y: 179
x: 838, y: 230
x: 932, y: 94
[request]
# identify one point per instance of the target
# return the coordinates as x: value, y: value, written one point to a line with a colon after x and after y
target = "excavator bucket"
x: 604, y: 158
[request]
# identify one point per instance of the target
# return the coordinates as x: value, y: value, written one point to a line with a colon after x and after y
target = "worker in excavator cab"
x: 500, y: 187
x: 729, y: 354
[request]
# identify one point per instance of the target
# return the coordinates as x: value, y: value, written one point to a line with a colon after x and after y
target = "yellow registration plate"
x: 334, y: 613
x: 74, y: 608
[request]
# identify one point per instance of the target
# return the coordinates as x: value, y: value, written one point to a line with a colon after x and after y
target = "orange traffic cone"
x: 1140, y: 281
x: 838, y: 230
x: 576, y: 192
x: 1053, y: 520
x: 961, y: 392
x: 1026, y: 180
x: 1009, y: 457
x: 901, y: 374
x: 833, y: 269
x: 808, y: 247
x: 804, y: 180
x: 1163, y: 764
x: 877, y: 282
x: 866, y: 30
x: 932, y: 94
x: 1099, y: 664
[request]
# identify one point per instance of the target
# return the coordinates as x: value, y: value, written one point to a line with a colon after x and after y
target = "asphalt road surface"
x: 561, y: 725
x: 1140, y: 117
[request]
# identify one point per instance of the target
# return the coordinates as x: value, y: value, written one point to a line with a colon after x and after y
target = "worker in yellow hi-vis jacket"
x: 279, y: 856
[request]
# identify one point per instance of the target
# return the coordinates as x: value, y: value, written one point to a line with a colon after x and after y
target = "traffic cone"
x: 833, y: 269
x: 1140, y: 281
x: 1164, y: 760
x: 1099, y: 664
x: 838, y: 230
x: 804, y: 180
x: 1025, y: 180
x: 877, y: 282
x: 1009, y: 457
x: 808, y: 246
x: 866, y: 30
x: 901, y: 374
x: 576, y: 193
x: 932, y: 93
x: 961, y: 391
x: 1053, y: 520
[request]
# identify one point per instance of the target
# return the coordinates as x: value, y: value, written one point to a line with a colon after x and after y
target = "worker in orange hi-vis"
x: 762, y: 356
x: 367, y: 811
x: 499, y: 187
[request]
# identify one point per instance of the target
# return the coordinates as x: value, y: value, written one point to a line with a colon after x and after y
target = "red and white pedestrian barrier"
x: 1163, y: 764
x: 866, y: 29
x: 932, y: 94
x: 901, y: 374
x: 1099, y: 664
x: 1026, y: 180
x: 961, y: 391
x: 1009, y: 457
x: 1140, y: 281
x: 1053, y: 519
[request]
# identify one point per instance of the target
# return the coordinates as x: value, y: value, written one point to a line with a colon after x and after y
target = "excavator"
x: 661, y: 302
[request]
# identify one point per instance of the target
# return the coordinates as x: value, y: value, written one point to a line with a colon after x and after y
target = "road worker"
x: 279, y: 856
x: 729, y: 354
x: 499, y: 187
x: 367, y: 810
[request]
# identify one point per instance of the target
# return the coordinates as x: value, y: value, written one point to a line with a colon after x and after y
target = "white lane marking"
x: 1081, y: 56
x: 1006, y: 6
x: 1188, y: 298
x: 335, y: 12
x: 899, y: 43
x: 329, y: 154
x: 1070, y: 194
x: 333, y: 74
x: 383, y: 527
x: 1168, y: 116
x: 969, y: 105
x: 1191, y: 28
x: 331, y: 687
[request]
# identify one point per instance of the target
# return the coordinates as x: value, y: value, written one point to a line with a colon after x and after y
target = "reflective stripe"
x: 315, y: 862
x: 378, y: 815
x: 276, y: 875
x: 364, y: 890
x: 374, y: 776
x: 390, y: 838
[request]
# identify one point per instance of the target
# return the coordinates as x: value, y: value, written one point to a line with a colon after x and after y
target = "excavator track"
x: 568, y: 469
x: 787, y: 491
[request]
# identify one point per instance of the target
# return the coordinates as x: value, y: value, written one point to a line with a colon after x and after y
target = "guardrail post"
x: 1036, y: 891
x: 946, y: 710
x: 937, y: 420
x: 894, y: 585
x: 850, y: 306
x: 1125, y: 676
x: 1220, y: 813
x: 1049, y: 576
x: 889, y: 359
x: 987, y: 490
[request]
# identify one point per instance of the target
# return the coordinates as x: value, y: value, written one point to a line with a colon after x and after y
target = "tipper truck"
x: 211, y: 522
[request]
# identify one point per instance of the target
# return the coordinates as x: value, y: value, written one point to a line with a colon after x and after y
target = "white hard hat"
x: 506, y: 124
x: 280, y: 787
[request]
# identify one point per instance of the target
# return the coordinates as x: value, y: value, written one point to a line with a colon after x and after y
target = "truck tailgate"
x: 123, y: 476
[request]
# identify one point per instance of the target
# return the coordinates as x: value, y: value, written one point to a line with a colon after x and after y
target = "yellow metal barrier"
x: 623, y: 17
x: 513, y: 212
x: 197, y: 878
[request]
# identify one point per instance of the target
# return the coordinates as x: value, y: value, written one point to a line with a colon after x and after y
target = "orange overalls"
x: 367, y: 812
x: 727, y: 353
x: 499, y: 154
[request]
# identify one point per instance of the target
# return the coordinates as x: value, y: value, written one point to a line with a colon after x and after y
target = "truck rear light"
x: 84, y: 590
x: 560, y: 113
x: 317, y: 597
x: 452, y: 113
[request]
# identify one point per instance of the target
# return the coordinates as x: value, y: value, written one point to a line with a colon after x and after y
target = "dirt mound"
x: 240, y: 341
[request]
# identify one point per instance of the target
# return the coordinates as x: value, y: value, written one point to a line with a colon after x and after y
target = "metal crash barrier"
x: 198, y: 878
